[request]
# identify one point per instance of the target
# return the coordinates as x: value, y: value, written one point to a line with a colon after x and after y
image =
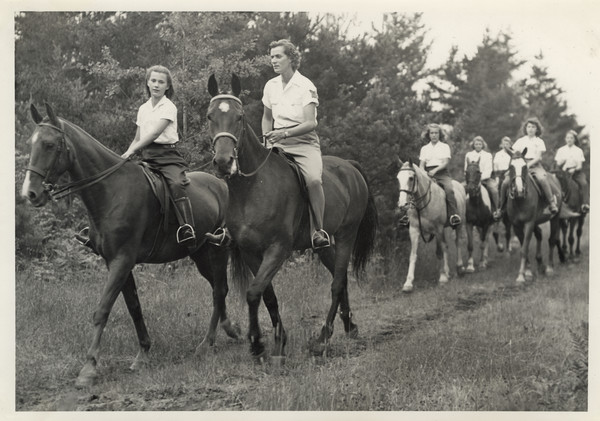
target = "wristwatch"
x: 285, y: 134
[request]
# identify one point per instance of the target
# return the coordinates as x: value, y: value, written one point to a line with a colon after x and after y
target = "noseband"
x: 236, y: 140
x: 48, y: 174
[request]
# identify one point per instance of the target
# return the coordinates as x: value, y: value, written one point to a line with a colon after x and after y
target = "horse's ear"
x: 236, y: 85
x: 410, y: 162
x: 35, y: 114
x: 213, y: 86
x: 478, y: 159
x: 51, y: 115
x: 510, y: 152
x: 524, y: 152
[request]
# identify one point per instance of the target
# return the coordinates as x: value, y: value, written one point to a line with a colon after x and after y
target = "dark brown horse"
x: 479, y: 214
x: 574, y: 199
x: 268, y: 217
x: 525, y: 208
x: 507, y: 227
x: 126, y: 225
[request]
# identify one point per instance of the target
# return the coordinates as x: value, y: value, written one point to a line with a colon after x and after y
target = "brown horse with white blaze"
x: 126, y: 225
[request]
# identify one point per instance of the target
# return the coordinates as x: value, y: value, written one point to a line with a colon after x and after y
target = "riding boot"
x: 503, y: 191
x: 550, y: 197
x: 185, y: 233
x: 319, y: 237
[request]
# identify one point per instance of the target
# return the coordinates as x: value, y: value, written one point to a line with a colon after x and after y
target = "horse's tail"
x: 239, y: 272
x: 365, y: 238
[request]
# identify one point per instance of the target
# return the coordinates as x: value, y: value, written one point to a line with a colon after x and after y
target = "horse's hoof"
x: 317, y: 348
x: 470, y: 269
x: 232, y: 329
x: 483, y: 266
x: 407, y: 288
x: 353, y: 332
x: 85, y: 380
x: 520, y: 279
x: 277, y: 361
x: 443, y: 279
x: 500, y: 248
x: 203, y: 349
x: 528, y: 275
x: 261, y: 358
x: 549, y: 271
x: 138, y: 364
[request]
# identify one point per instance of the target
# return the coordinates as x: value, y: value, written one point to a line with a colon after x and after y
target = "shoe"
x: 585, y: 208
x: 83, y: 237
x: 497, y: 214
x: 220, y: 237
x: 567, y: 213
x: 186, y: 235
x: 455, y: 220
x: 320, y: 239
x: 553, y: 208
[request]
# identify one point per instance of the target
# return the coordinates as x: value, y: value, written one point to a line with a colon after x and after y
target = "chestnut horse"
x: 268, y: 217
x: 126, y: 223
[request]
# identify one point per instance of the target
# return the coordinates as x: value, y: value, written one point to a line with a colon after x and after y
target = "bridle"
x: 416, y: 202
x: 54, y: 191
x: 236, y: 139
x: 476, y: 188
x: 513, y: 177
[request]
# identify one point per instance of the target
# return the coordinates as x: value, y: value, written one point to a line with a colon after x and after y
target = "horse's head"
x: 49, y: 157
x: 226, y: 125
x: 518, y: 173
x: 473, y: 178
x: 407, y: 179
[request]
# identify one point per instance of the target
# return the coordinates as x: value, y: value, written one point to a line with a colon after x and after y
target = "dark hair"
x: 160, y: 69
x: 425, y: 135
x: 533, y: 120
x: 478, y: 139
x: 290, y: 50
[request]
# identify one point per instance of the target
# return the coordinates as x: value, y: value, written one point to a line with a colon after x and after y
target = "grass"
x: 475, y: 344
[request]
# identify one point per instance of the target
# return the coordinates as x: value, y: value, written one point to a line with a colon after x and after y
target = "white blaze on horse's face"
x: 518, y: 165
x: 406, y: 181
x: 224, y: 107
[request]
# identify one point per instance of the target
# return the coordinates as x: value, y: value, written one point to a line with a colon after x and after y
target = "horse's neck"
x: 252, y: 154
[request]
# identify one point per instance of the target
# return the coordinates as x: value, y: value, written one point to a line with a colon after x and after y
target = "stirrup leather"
x: 312, y: 240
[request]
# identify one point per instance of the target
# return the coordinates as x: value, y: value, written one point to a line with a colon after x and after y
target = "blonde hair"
x: 160, y: 69
x: 478, y: 139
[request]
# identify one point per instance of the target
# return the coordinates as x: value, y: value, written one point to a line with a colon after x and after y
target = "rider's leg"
x: 492, y: 188
x: 502, y: 198
x: 177, y: 180
x: 579, y: 178
x: 444, y: 180
x: 542, y: 178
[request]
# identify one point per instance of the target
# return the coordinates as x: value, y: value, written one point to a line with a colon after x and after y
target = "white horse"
x: 428, y: 216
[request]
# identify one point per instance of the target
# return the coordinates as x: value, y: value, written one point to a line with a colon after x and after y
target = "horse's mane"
x: 89, y: 136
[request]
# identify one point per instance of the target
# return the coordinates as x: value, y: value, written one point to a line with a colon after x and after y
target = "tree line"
x: 375, y: 90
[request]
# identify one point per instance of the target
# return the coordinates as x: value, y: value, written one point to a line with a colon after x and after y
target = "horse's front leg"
x: 118, y: 272
x: 470, y: 261
x: 537, y: 232
x: 572, y: 238
x: 525, y: 238
x: 580, y: 222
x: 443, y: 246
x: 414, y: 245
x: 272, y: 260
x: 135, y: 310
x: 484, y: 247
x: 459, y: 233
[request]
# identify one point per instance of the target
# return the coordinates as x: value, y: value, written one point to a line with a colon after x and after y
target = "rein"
x: 236, y: 140
x: 414, y: 202
x: 54, y: 190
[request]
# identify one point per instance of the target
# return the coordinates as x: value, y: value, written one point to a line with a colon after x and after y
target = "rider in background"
x: 289, y: 120
x: 535, y: 148
x: 501, y: 163
x: 156, y: 138
x: 435, y: 157
x: 570, y: 158
x: 481, y: 155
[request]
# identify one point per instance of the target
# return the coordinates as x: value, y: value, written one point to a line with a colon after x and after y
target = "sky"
x: 568, y: 37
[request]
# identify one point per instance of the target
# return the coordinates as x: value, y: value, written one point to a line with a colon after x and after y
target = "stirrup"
x: 585, y: 208
x: 455, y: 220
x: 220, y: 237
x: 404, y: 220
x: 190, y: 237
x: 497, y: 215
x: 83, y: 237
x: 312, y: 240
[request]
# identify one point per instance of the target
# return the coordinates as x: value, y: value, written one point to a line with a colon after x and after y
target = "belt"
x: 285, y: 128
x: 162, y: 145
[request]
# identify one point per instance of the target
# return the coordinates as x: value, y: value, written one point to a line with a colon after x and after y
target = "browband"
x: 226, y: 96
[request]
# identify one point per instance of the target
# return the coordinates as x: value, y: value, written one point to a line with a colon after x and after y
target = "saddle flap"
x: 294, y: 165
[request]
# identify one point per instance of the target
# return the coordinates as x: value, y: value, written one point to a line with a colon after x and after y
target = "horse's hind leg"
x: 537, y: 232
x: 135, y: 310
x: 580, y: 222
x: 572, y: 224
x: 211, y: 262
x: 484, y: 247
x: 328, y: 259
x: 279, y: 335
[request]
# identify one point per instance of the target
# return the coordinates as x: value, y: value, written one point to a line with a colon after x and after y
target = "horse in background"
x: 506, y: 223
x: 428, y: 216
x: 525, y: 208
x: 479, y: 214
x: 573, y: 199
x: 127, y: 224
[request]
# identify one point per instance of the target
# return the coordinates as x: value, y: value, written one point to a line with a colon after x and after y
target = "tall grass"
x: 476, y: 343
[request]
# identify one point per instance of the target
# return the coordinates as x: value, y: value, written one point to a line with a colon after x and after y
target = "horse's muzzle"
x: 224, y: 168
x: 34, y: 192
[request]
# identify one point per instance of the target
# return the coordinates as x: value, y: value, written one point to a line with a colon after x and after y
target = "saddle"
x: 294, y: 166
